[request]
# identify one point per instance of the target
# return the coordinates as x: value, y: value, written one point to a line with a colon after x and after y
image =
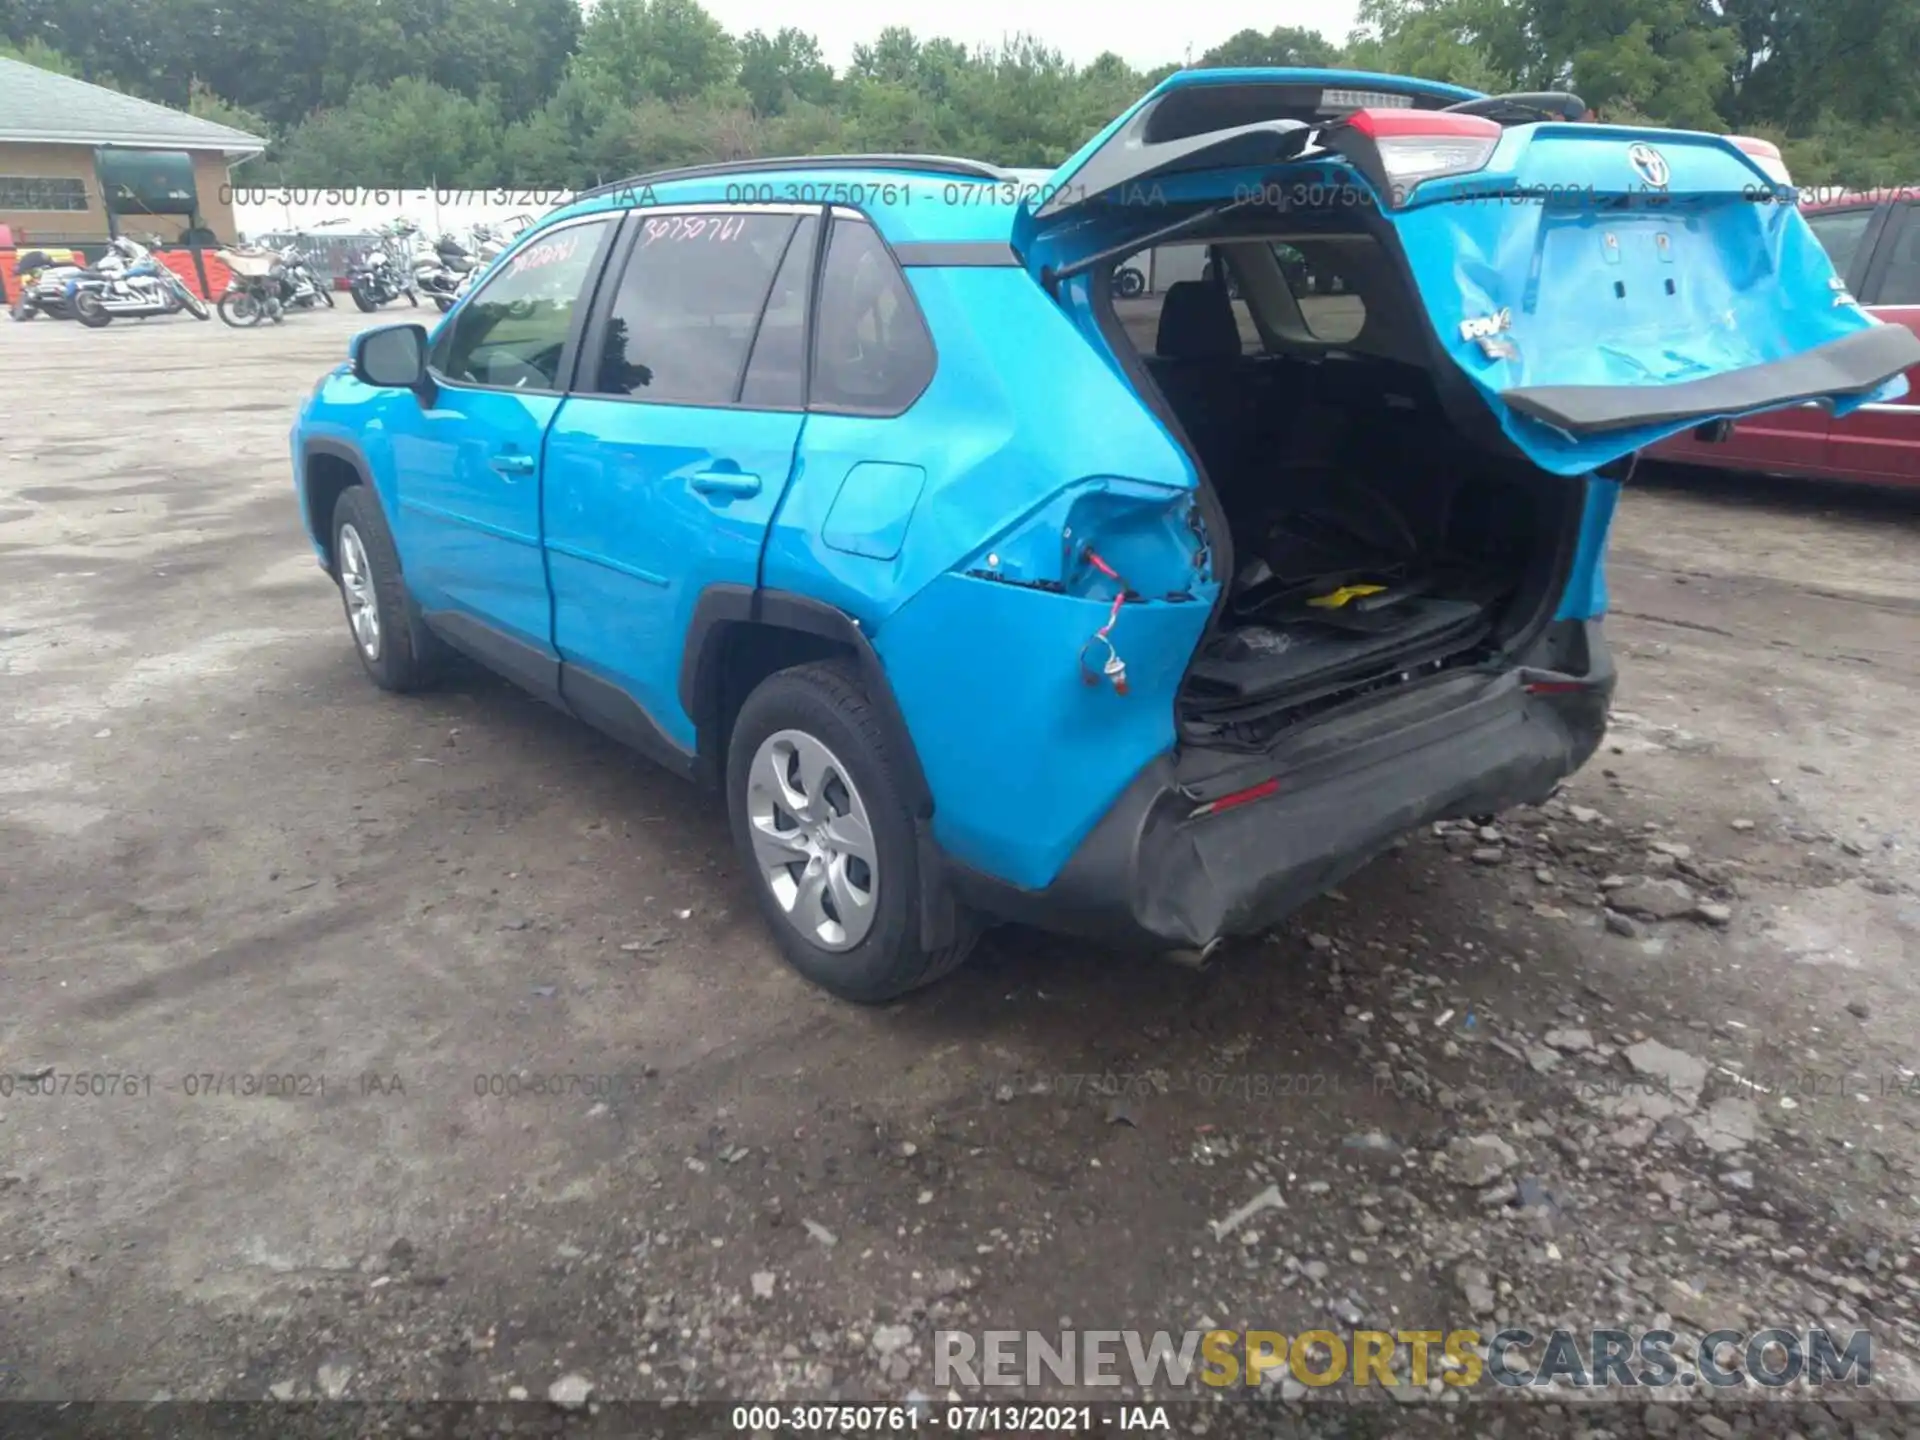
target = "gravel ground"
x: 1643, y: 1055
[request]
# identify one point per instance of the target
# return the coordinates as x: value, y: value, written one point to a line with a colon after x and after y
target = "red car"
x: 1874, y: 239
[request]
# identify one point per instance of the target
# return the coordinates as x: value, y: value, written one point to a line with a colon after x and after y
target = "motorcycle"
x: 489, y: 243
x: 254, y: 294
x: 41, y: 281
x: 385, y: 272
x: 438, y: 271
x: 300, y: 288
x: 129, y: 283
x: 267, y: 283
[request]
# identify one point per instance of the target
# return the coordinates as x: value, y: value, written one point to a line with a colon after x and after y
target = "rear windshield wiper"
x: 1530, y: 107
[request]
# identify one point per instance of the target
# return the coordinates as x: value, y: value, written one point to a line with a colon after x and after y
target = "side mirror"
x: 394, y: 357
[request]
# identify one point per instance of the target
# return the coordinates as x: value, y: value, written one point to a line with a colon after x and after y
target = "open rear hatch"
x: 1589, y: 288
x: 1570, y: 293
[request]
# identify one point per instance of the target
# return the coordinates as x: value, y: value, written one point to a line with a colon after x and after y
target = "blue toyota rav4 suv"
x: 984, y: 586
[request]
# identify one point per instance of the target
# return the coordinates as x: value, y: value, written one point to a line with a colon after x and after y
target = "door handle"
x: 730, y: 483
x: 512, y: 463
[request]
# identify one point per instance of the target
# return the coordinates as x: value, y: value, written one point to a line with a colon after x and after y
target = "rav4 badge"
x: 1487, y: 325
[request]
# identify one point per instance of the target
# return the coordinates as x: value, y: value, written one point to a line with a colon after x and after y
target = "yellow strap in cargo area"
x: 1335, y: 599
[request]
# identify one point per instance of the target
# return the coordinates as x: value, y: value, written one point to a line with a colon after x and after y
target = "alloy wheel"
x: 356, y: 583
x: 812, y: 839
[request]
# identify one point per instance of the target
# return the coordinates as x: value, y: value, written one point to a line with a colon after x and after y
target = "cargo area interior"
x: 1373, y: 542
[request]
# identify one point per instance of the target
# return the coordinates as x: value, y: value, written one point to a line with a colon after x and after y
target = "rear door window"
x: 1199, y: 327
x: 1328, y: 294
x: 512, y: 333
x: 777, y: 373
x: 689, y: 299
x: 1840, y: 233
x: 872, y: 354
x: 1899, y: 282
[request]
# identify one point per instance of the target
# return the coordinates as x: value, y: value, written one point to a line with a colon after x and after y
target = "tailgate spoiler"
x: 1856, y: 364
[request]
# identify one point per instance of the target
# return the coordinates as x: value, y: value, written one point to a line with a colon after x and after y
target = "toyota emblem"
x: 1650, y: 165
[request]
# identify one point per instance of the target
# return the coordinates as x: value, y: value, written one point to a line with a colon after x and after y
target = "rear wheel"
x: 397, y: 653
x: 819, y: 818
x: 90, y: 311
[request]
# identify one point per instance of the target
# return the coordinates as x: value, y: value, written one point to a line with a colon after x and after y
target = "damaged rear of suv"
x: 1409, y: 340
x: 1135, y: 549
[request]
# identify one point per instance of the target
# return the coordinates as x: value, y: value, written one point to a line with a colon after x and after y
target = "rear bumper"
x: 1348, y: 786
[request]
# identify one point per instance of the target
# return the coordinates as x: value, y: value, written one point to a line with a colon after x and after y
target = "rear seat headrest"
x: 1196, y: 323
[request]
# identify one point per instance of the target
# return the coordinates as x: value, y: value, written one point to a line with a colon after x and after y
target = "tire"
x: 240, y: 308
x: 442, y: 304
x: 21, y: 310
x: 363, y: 299
x: 196, y: 307
x: 402, y: 655
x: 88, y: 310
x: 325, y: 292
x: 413, y: 299
x: 817, y: 718
x: 1128, y: 282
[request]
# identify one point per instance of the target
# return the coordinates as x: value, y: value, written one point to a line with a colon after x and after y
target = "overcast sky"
x: 1145, y: 35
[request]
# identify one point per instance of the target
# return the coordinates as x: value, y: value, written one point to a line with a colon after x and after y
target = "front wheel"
x: 363, y: 297
x: 90, y: 311
x: 395, y: 653
x: 325, y: 294
x: 240, y: 309
x: 442, y: 304
x: 817, y: 803
x: 22, y: 309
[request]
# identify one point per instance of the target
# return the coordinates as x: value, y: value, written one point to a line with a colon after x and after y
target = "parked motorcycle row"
x: 268, y: 283
x: 403, y: 263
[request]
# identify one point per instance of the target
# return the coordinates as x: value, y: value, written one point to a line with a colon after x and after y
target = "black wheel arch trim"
x: 722, y: 605
x: 340, y: 450
x: 347, y: 451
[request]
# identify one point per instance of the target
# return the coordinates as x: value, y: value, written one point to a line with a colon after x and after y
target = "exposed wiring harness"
x: 1112, y: 669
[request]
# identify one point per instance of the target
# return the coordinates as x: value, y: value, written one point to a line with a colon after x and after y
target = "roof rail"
x: 939, y: 164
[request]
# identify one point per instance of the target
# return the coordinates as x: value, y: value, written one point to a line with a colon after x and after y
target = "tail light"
x: 1766, y: 155
x: 1410, y: 146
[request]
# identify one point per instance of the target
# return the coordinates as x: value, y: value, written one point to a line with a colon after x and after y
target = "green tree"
x: 38, y: 53
x: 1283, y: 45
x: 1481, y: 44
x: 654, y: 49
x: 782, y: 69
x: 410, y: 134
